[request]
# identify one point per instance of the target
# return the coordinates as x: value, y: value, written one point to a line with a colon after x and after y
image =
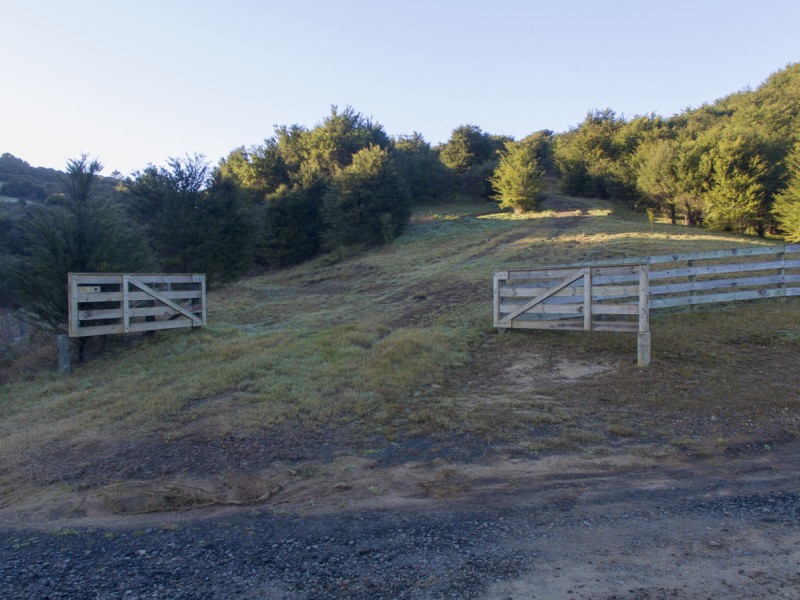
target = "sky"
x: 134, y: 83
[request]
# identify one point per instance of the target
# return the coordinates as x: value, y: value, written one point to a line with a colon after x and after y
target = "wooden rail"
x: 108, y: 303
x: 618, y: 295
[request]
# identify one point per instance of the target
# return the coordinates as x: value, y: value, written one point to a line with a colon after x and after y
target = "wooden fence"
x: 106, y: 303
x: 619, y: 295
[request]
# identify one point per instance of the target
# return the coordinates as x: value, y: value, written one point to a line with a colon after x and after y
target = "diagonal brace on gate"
x: 196, y: 321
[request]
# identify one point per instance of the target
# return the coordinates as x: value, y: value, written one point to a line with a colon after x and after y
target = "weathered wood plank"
x: 718, y: 298
x: 616, y: 309
x: 622, y: 326
x: 719, y: 254
x: 572, y: 309
x: 98, y: 278
x: 95, y: 315
x: 574, y: 325
x: 681, y: 257
x: 617, y: 279
x: 138, y: 296
x: 116, y: 313
x: 514, y: 309
x: 598, y: 291
x: 98, y: 330
x: 116, y: 278
x: 713, y: 284
x: 561, y: 273
x: 555, y: 274
x: 723, y: 269
x: 179, y: 323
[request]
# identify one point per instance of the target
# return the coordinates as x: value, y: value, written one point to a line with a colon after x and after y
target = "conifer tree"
x: 77, y: 232
x: 368, y: 203
x: 517, y: 180
x: 195, y: 218
x: 787, y: 203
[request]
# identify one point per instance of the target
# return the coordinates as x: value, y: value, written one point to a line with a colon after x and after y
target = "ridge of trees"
x: 723, y: 165
x: 344, y: 185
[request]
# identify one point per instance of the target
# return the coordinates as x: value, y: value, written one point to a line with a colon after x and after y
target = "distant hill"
x: 20, y: 181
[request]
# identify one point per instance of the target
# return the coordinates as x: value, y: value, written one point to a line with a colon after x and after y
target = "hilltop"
x: 22, y: 182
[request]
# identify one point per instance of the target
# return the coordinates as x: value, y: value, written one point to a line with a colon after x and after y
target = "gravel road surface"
x: 645, y: 534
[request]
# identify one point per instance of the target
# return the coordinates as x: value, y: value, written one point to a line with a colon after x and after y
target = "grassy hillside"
x: 348, y: 355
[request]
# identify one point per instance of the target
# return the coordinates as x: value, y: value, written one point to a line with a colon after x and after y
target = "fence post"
x: 72, y: 283
x: 643, y: 346
x: 496, y: 289
x: 64, y: 354
x: 587, y: 298
x: 126, y: 304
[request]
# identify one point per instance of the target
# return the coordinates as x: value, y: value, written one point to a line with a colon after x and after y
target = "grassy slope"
x: 360, y: 346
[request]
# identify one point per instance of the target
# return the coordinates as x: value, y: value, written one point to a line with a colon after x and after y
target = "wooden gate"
x: 599, y: 298
x: 107, y: 303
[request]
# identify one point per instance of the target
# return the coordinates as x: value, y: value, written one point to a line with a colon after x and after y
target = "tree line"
x: 732, y: 165
x: 345, y: 185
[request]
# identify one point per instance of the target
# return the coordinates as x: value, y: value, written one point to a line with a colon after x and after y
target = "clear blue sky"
x: 135, y: 82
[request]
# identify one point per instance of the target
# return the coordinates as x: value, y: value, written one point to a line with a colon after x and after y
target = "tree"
x: 591, y: 158
x: 471, y: 154
x: 195, y: 218
x: 260, y: 170
x: 743, y: 181
x: 367, y: 204
x: 517, y: 180
x: 291, y: 223
x: 164, y: 200
x: 542, y: 144
x: 657, y: 174
x: 11, y: 248
x: 78, y: 232
x: 332, y: 144
x: 418, y: 164
x: 226, y: 250
x: 468, y: 147
x: 787, y: 203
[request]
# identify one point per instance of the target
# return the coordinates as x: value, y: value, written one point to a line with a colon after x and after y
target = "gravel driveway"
x: 689, y: 531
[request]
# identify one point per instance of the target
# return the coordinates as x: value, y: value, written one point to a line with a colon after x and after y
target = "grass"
x: 398, y: 342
